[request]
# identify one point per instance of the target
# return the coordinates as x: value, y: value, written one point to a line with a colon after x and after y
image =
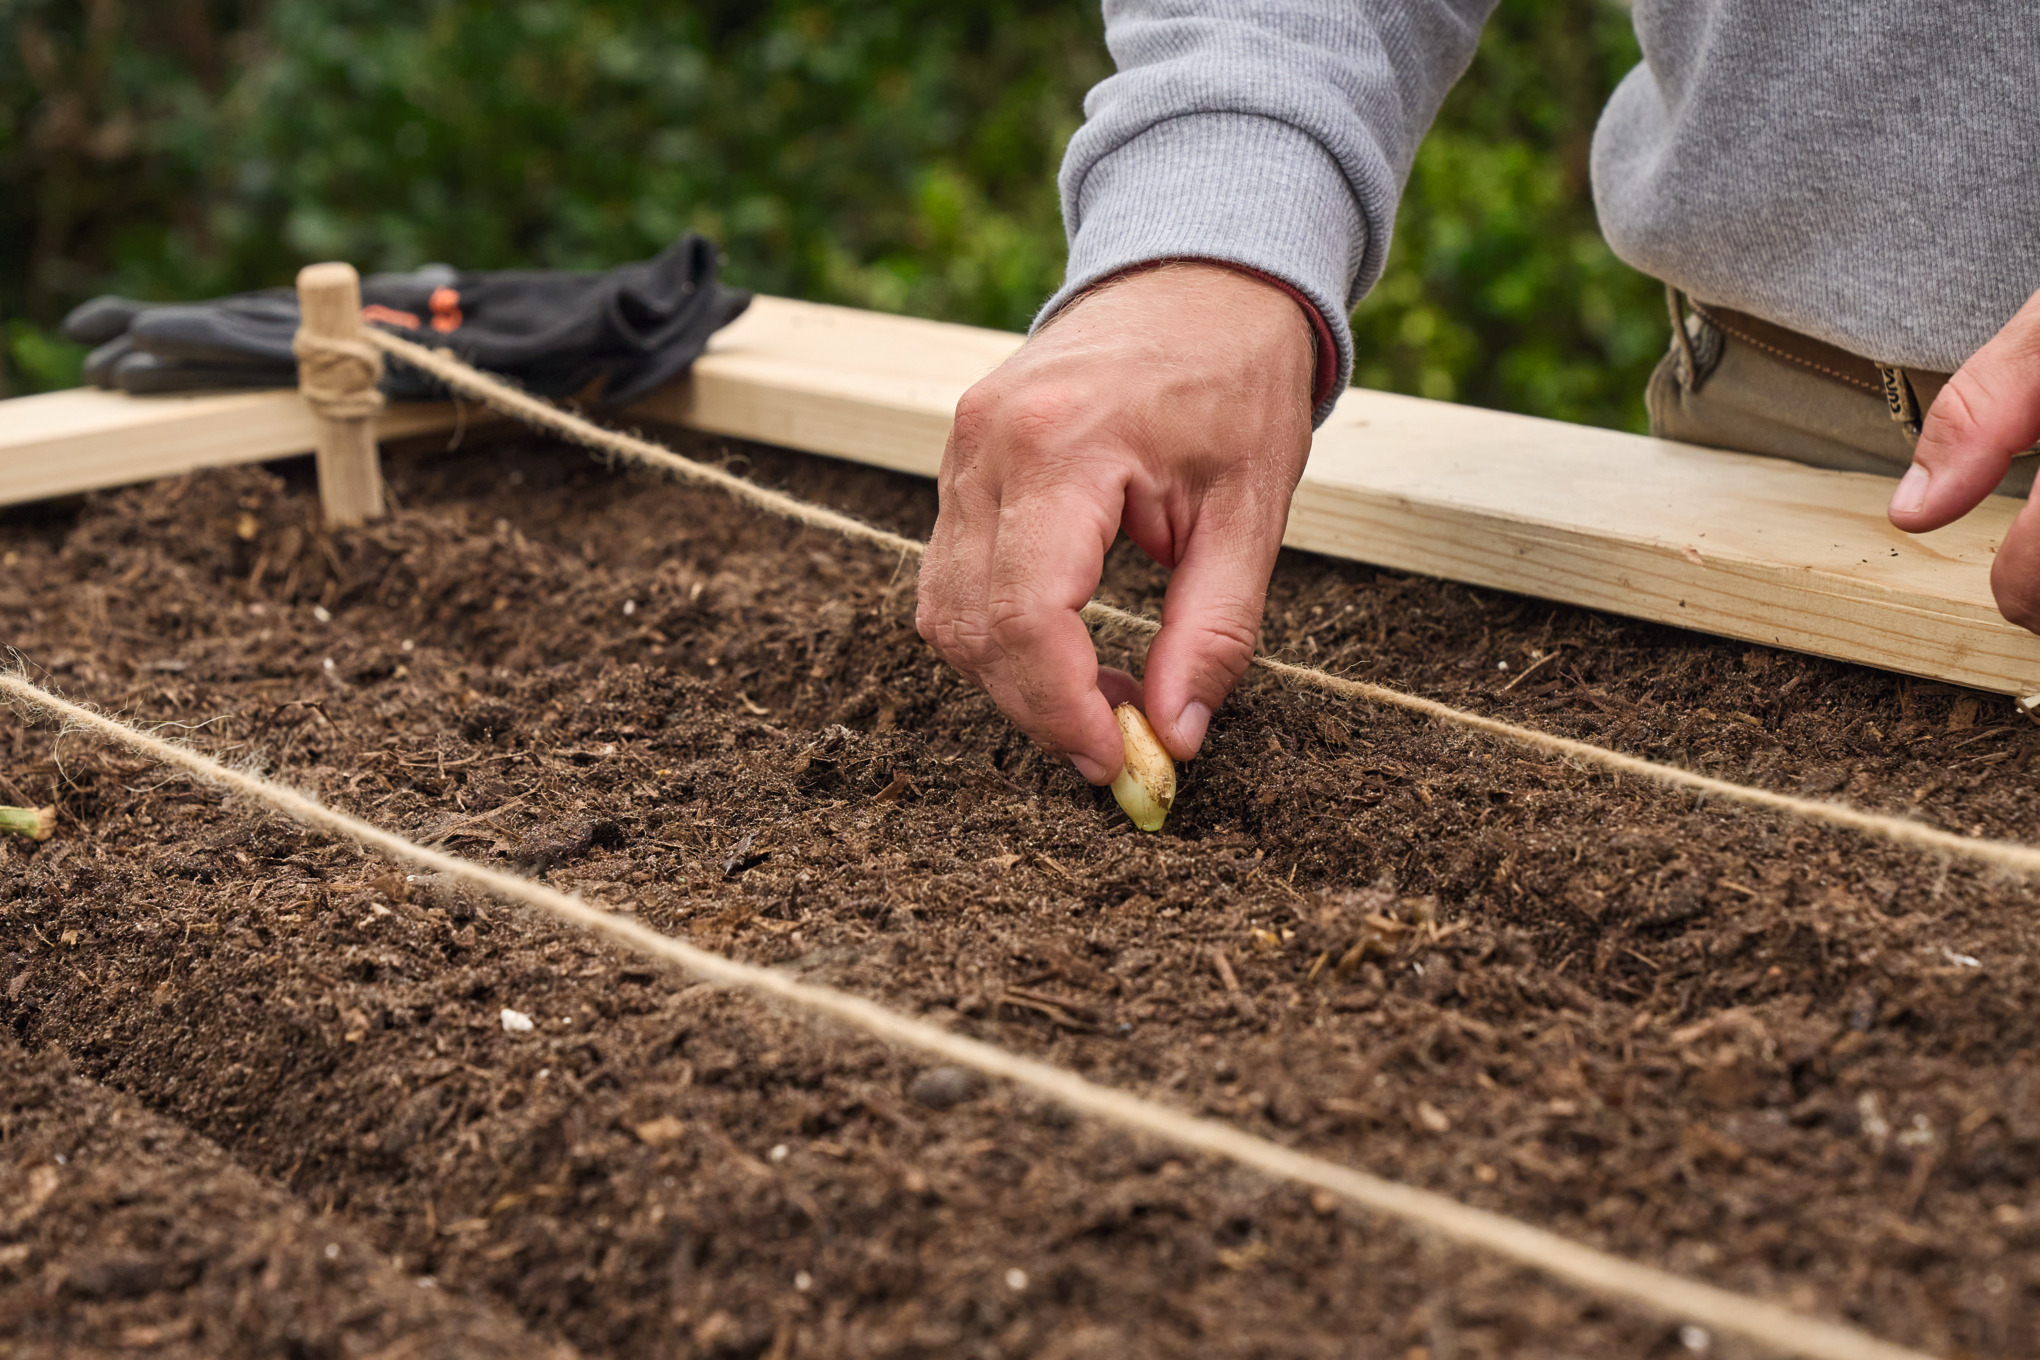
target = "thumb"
x: 1211, y: 621
x: 1988, y: 412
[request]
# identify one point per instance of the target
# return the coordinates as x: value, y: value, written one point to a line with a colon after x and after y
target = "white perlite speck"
x: 515, y: 1022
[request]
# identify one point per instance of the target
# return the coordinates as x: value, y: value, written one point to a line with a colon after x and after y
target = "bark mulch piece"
x: 1785, y: 1060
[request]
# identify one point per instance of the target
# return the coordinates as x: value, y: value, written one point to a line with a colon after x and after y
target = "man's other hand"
x: 1988, y: 412
x: 1173, y: 403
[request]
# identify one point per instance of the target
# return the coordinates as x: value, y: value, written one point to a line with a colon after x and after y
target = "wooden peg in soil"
x: 337, y: 373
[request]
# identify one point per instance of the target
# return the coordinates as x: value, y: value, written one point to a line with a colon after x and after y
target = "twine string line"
x: 1657, y: 1292
x: 338, y: 377
x: 2006, y: 855
x: 520, y: 405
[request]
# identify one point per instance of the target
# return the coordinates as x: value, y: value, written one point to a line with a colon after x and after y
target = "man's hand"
x: 1174, y: 403
x: 1988, y: 412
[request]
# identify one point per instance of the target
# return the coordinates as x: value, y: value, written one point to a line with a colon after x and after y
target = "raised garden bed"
x: 290, y: 1115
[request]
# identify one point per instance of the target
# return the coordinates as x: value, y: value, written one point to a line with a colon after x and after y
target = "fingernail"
x: 1912, y: 490
x: 1088, y: 768
x: 1191, y: 725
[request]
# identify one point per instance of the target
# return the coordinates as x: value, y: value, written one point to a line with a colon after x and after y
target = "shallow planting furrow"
x: 127, y: 1233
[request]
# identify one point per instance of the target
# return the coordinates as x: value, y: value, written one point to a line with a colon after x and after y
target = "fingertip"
x: 1077, y: 722
x: 1911, y: 492
x: 1187, y: 679
x: 1100, y: 758
x: 1107, y: 754
x: 1185, y: 734
x: 2015, y: 570
x: 1091, y: 769
x: 1089, y: 737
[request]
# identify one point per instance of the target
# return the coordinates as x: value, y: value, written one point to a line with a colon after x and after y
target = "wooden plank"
x: 1726, y: 543
x: 61, y: 443
x: 859, y: 385
x: 1746, y: 547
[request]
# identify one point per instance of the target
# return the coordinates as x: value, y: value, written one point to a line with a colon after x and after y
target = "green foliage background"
x: 896, y: 155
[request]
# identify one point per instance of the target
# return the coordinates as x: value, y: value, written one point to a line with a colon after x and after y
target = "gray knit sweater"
x: 1866, y: 171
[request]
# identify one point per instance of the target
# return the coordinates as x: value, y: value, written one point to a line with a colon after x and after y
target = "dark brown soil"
x: 1788, y: 1061
x: 127, y: 1233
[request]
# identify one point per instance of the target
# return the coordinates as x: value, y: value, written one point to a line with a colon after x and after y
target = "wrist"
x: 1324, y: 351
x: 1323, y: 367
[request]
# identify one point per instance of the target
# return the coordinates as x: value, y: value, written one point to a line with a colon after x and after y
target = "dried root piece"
x: 1147, y: 786
x: 38, y: 823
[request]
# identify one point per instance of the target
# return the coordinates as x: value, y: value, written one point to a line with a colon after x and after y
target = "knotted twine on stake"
x: 338, y: 378
x: 2007, y: 855
x: 1658, y: 1292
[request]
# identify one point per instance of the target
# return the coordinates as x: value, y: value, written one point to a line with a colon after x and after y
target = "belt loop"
x: 1900, y: 400
x: 1689, y: 363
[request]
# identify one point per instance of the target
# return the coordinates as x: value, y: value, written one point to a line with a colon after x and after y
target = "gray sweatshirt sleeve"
x: 1274, y: 134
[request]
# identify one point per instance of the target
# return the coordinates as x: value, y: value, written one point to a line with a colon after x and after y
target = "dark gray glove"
x: 555, y: 332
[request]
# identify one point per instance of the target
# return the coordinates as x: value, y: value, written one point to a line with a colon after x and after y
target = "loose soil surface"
x: 258, y: 1095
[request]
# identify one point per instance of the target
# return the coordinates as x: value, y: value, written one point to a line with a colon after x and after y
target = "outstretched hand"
x: 1988, y: 413
x: 1174, y: 403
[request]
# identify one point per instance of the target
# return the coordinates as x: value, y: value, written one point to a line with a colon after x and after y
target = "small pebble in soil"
x: 779, y: 1153
x: 1016, y: 1279
x: 1694, y: 1338
x: 803, y: 1281
x: 515, y: 1022
x: 939, y: 1088
x: 629, y: 608
x: 322, y: 614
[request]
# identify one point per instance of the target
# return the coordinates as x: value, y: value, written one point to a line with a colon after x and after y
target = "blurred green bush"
x: 892, y: 155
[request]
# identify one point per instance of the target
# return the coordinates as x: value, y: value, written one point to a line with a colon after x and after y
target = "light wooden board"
x: 859, y: 385
x: 1726, y: 543
x: 61, y: 443
x: 1746, y: 547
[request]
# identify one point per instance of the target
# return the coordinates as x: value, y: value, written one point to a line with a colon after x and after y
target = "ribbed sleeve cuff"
x: 1233, y: 188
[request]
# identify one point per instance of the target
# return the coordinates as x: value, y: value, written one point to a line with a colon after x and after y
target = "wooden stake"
x: 340, y: 392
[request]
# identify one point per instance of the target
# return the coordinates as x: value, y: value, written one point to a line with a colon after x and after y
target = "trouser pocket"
x: 1717, y: 389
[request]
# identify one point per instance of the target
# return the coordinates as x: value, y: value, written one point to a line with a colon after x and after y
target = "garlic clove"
x: 1147, y: 786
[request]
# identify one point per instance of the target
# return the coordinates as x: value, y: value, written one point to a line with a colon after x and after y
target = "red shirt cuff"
x: 1327, y: 378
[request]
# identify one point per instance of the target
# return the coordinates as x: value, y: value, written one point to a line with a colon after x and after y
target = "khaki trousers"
x: 1734, y: 395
